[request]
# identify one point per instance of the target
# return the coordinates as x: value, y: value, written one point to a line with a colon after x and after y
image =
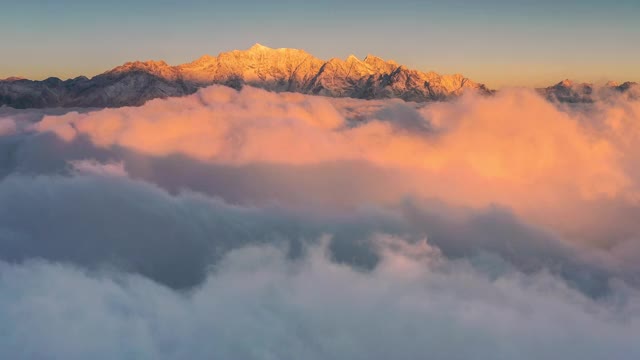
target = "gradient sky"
x: 497, y: 42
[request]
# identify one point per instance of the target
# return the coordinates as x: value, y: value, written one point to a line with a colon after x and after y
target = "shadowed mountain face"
x: 277, y: 70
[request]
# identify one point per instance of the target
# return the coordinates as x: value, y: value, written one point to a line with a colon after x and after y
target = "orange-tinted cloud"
x: 516, y: 149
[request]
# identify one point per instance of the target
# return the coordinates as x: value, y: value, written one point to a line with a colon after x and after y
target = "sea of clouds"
x: 255, y: 225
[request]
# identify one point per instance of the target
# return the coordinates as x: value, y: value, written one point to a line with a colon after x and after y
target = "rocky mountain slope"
x: 273, y: 69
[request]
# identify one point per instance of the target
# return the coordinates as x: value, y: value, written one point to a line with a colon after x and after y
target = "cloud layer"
x: 515, y: 148
x: 259, y: 305
x: 258, y: 225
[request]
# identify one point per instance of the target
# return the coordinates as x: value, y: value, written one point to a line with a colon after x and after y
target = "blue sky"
x: 496, y: 42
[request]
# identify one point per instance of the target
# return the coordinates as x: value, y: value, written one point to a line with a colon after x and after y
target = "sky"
x: 496, y: 42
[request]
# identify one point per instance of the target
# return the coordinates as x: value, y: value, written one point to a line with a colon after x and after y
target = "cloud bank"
x: 258, y: 225
x: 259, y: 305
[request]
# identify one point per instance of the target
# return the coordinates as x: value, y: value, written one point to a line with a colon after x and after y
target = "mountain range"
x: 284, y: 69
x: 279, y: 70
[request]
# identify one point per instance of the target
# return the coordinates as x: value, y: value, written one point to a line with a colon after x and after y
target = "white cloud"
x: 259, y: 305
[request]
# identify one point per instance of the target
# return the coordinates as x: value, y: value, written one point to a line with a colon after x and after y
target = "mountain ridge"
x: 283, y: 69
x: 568, y: 91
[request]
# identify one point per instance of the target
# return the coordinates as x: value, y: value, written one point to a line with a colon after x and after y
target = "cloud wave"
x: 255, y: 225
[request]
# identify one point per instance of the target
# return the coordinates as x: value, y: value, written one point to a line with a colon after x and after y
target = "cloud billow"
x: 254, y: 225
